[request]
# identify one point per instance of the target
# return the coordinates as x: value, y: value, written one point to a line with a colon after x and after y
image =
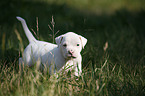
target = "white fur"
x: 66, y: 54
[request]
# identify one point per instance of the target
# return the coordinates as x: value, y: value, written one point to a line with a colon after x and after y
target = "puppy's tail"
x: 27, y: 31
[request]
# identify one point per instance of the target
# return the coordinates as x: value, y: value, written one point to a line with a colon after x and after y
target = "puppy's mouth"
x: 73, y: 57
x: 70, y: 56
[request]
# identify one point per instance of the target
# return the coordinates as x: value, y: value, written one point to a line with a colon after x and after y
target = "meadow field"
x: 113, y: 59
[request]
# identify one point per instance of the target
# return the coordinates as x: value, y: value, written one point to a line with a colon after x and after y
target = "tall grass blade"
x: 20, y: 40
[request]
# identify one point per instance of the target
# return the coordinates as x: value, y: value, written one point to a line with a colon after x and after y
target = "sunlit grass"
x: 104, y: 80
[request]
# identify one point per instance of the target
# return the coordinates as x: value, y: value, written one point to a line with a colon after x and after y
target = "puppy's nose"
x: 70, y: 52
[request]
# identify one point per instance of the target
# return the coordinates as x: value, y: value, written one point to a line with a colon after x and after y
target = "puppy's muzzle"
x: 71, y: 54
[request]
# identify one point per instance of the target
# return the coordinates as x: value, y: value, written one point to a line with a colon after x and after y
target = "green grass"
x: 118, y: 71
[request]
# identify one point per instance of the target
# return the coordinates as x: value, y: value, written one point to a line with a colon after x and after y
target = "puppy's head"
x: 70, y: 44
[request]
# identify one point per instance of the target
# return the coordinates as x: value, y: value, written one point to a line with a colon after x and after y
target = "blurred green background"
x: 121, y: 23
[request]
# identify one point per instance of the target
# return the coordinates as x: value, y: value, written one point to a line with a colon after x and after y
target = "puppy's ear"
x: 58, y: 39
x: 83, y: 41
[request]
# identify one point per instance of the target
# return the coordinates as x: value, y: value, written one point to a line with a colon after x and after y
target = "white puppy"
x: 65, y: 54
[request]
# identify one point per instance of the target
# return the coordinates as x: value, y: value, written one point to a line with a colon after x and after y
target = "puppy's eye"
x: 64, y: 45
x: 78, y: 44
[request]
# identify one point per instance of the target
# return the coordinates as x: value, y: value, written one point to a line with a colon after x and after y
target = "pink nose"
x: 70, y: 52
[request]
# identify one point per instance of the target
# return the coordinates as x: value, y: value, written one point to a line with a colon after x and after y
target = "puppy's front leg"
x: 75, y: 66
x: 78, y: 67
